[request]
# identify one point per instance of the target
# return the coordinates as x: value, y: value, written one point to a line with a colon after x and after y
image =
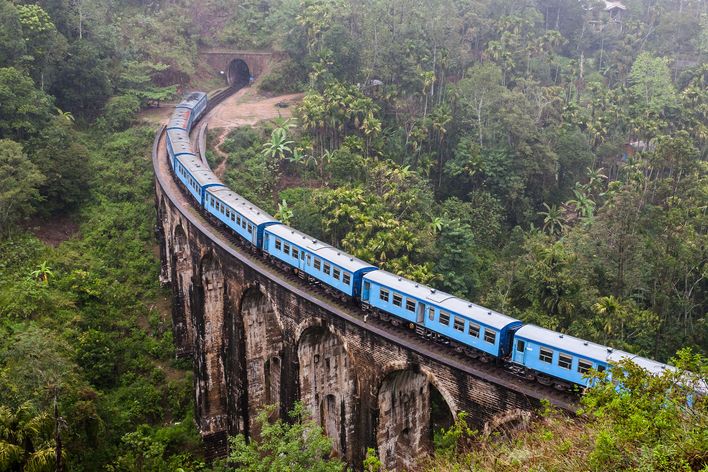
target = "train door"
x: 519, y: 351
x: 367, y: 289
x: 421, y: 313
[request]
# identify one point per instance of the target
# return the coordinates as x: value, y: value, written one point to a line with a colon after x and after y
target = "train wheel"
x: 471, y: 353
x: 543, y: 380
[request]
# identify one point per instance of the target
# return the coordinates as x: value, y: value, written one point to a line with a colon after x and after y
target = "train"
x: 527, y: 350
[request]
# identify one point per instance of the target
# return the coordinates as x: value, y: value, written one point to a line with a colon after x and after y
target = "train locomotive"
x: 528, y: 350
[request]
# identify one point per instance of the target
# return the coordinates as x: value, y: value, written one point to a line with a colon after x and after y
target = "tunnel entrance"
x: 238, y: 74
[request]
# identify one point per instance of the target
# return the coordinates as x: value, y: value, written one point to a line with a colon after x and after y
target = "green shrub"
x: 284, y: 77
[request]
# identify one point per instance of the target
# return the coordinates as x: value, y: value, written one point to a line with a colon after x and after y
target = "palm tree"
x: 614, y: 313
x: 284, y: 213
x: 65, y: 115
x: 42, y: 273
x: 553, y: 221
x: 595, y: 178
x: 582, y: 203
x: 436, y: 224
x: 278, y: 146
x: 25, y: 439
x: 298, y: 157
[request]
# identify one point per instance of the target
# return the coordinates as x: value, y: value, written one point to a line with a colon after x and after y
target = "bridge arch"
x: 163, y: 228
x: 238, y: 73
x: 263, y: 349
x: 181, y: 276
x: 410, y: 407
x: 211, y: 403
x: 329, y: 386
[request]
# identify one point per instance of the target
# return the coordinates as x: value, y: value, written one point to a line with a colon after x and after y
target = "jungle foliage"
x: 545, y: 158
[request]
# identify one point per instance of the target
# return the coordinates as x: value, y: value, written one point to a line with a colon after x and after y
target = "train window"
x: 286, y: 248
x: 228, y: 213
x: 520, y: 345
x: 444, y: 318
x: 490, y: 336
x: 212, y: 201
x: 473, y: 330
x: 250, y: 228
x: 243, y: 224
x: 459, y: 324
x: 564, y: 361
x: 233, y: 216
x: 278, y: 244
x: 346, y: 278
x: 238, y: 220
x: 336, y: 273
x: 296, y: 253
x: 601, y: 368
x: 383, y: 294
x: 546, y: 355
x: 327, y: 268
x: 431, y: 313
x: 410, y: 304
x: 318, y: 264
x: 397, y: 299
x: 584, y: 366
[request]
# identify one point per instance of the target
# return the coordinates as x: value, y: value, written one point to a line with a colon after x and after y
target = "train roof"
x: 250, y: 211
x: 191, y: 99
x: 179, y: 121
x: 652, y: 366
x: 323, y: 250
x: 445, y: 301
x: 195, y: 166
x: 565, y: 342
x: 179, y: 139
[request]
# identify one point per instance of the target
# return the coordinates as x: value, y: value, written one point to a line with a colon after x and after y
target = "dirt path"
x: 245, y: 108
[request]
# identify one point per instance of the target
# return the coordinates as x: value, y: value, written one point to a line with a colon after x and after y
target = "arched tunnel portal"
x: 238, y: 73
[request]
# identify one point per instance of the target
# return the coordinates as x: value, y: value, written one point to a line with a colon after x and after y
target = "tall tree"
x: 19, y: 185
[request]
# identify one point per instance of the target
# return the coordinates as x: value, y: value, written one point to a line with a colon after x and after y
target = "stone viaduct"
x: 258, y: 336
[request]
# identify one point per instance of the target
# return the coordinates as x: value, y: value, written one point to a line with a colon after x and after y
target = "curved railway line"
x: 401, y: 336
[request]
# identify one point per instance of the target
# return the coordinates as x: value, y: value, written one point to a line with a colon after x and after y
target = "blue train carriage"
x: 317, y: 260
x: 195, y: 176
x: 180, y: 119
x: 196, y: 102
x: 178, y: 144
x: 239, y: 214
x: 652, y: 366
x: 472, y: 327
x: 559, y: 356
